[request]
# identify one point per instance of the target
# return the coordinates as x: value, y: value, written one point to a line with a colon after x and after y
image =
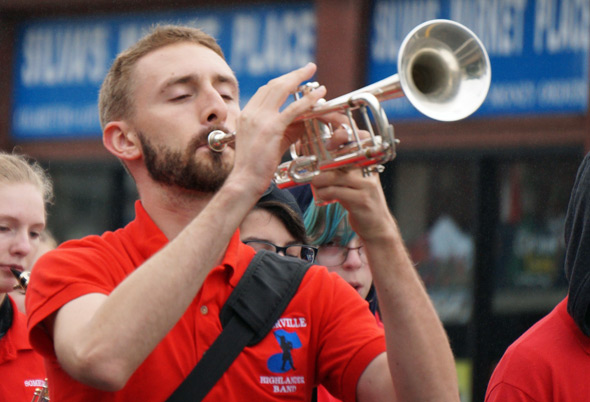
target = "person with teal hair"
x: 340, y: 249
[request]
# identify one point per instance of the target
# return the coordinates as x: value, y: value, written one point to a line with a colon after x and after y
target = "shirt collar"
x: 236, y: 259
x: 149, y: 239
x: 16, y: 336
x: 144, y: 233
x: 583, y: 340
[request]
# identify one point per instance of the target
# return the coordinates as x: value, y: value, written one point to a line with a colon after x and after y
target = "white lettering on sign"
x: 499, y: 24
x: 38, y: 119
x: 61, y: 56
x: 392, y: 21
x: 518, y: 95
x: 547, y: 94
x: 277, y: 43
x: 562, y: 25
x: 572, y: 93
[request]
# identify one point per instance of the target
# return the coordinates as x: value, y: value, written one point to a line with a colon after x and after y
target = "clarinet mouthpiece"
x: 22, y: 277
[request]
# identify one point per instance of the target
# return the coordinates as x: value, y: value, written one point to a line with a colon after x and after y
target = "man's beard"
x: 182, y: 169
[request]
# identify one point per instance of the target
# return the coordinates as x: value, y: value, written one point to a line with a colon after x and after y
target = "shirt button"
x: 204, y: 310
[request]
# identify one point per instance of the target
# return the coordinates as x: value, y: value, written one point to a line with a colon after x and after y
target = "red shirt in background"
x: 549, y: 362
x: 21, y: 368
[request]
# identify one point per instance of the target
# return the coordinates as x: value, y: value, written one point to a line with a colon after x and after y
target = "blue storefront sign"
x: 538, y: 49
x: 539, y: 52
x: 60, y: 63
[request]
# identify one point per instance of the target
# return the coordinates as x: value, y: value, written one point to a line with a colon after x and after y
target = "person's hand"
x: 362, y: 196
x: 262, y: 136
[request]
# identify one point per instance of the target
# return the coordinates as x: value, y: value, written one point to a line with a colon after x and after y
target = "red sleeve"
x: 65, y: 274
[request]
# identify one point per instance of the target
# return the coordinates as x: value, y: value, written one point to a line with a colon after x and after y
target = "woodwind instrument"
x: 41, y: 394
x: 23, y: 279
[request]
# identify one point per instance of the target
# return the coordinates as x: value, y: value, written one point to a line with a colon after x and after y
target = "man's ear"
x: 121, y: 141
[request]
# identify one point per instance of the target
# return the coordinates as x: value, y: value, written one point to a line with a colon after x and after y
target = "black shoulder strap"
x: 252, y: 309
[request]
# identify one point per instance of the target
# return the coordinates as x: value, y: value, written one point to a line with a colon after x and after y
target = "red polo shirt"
x: 326, y: 334
x: 21, y: 368
x: 549, y: 362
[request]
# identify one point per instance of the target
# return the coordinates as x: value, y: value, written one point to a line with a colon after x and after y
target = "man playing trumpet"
x: 126, y: 315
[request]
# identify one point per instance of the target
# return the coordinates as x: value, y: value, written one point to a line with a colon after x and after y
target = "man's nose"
x: 213, y: 107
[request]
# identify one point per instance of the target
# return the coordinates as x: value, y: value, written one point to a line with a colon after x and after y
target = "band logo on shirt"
x: 283, y: 362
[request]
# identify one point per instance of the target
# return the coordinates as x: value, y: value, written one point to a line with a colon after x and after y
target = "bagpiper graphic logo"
x: 283, y: 362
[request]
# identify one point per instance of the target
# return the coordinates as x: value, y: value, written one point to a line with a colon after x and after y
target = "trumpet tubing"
x: 444, y: 72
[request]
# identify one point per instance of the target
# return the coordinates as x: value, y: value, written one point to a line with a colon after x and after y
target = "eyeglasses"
x: 305, y: 252
x: 331, y: 256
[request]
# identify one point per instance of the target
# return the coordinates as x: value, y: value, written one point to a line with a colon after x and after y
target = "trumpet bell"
x: 444, y: 70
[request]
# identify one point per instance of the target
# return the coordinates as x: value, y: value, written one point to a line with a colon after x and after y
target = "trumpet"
x: 443, y: 70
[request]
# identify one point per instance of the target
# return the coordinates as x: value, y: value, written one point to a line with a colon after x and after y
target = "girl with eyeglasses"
x: 276, y: 224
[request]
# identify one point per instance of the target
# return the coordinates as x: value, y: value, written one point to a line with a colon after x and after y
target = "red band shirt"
x: 21, y: 368
x: 327, y: 334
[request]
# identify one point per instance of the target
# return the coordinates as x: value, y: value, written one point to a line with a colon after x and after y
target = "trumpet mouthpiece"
x: 219, y: 139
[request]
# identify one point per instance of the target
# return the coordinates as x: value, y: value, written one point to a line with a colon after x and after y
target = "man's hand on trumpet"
x: 361, y: 195
x: 262, y: 135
